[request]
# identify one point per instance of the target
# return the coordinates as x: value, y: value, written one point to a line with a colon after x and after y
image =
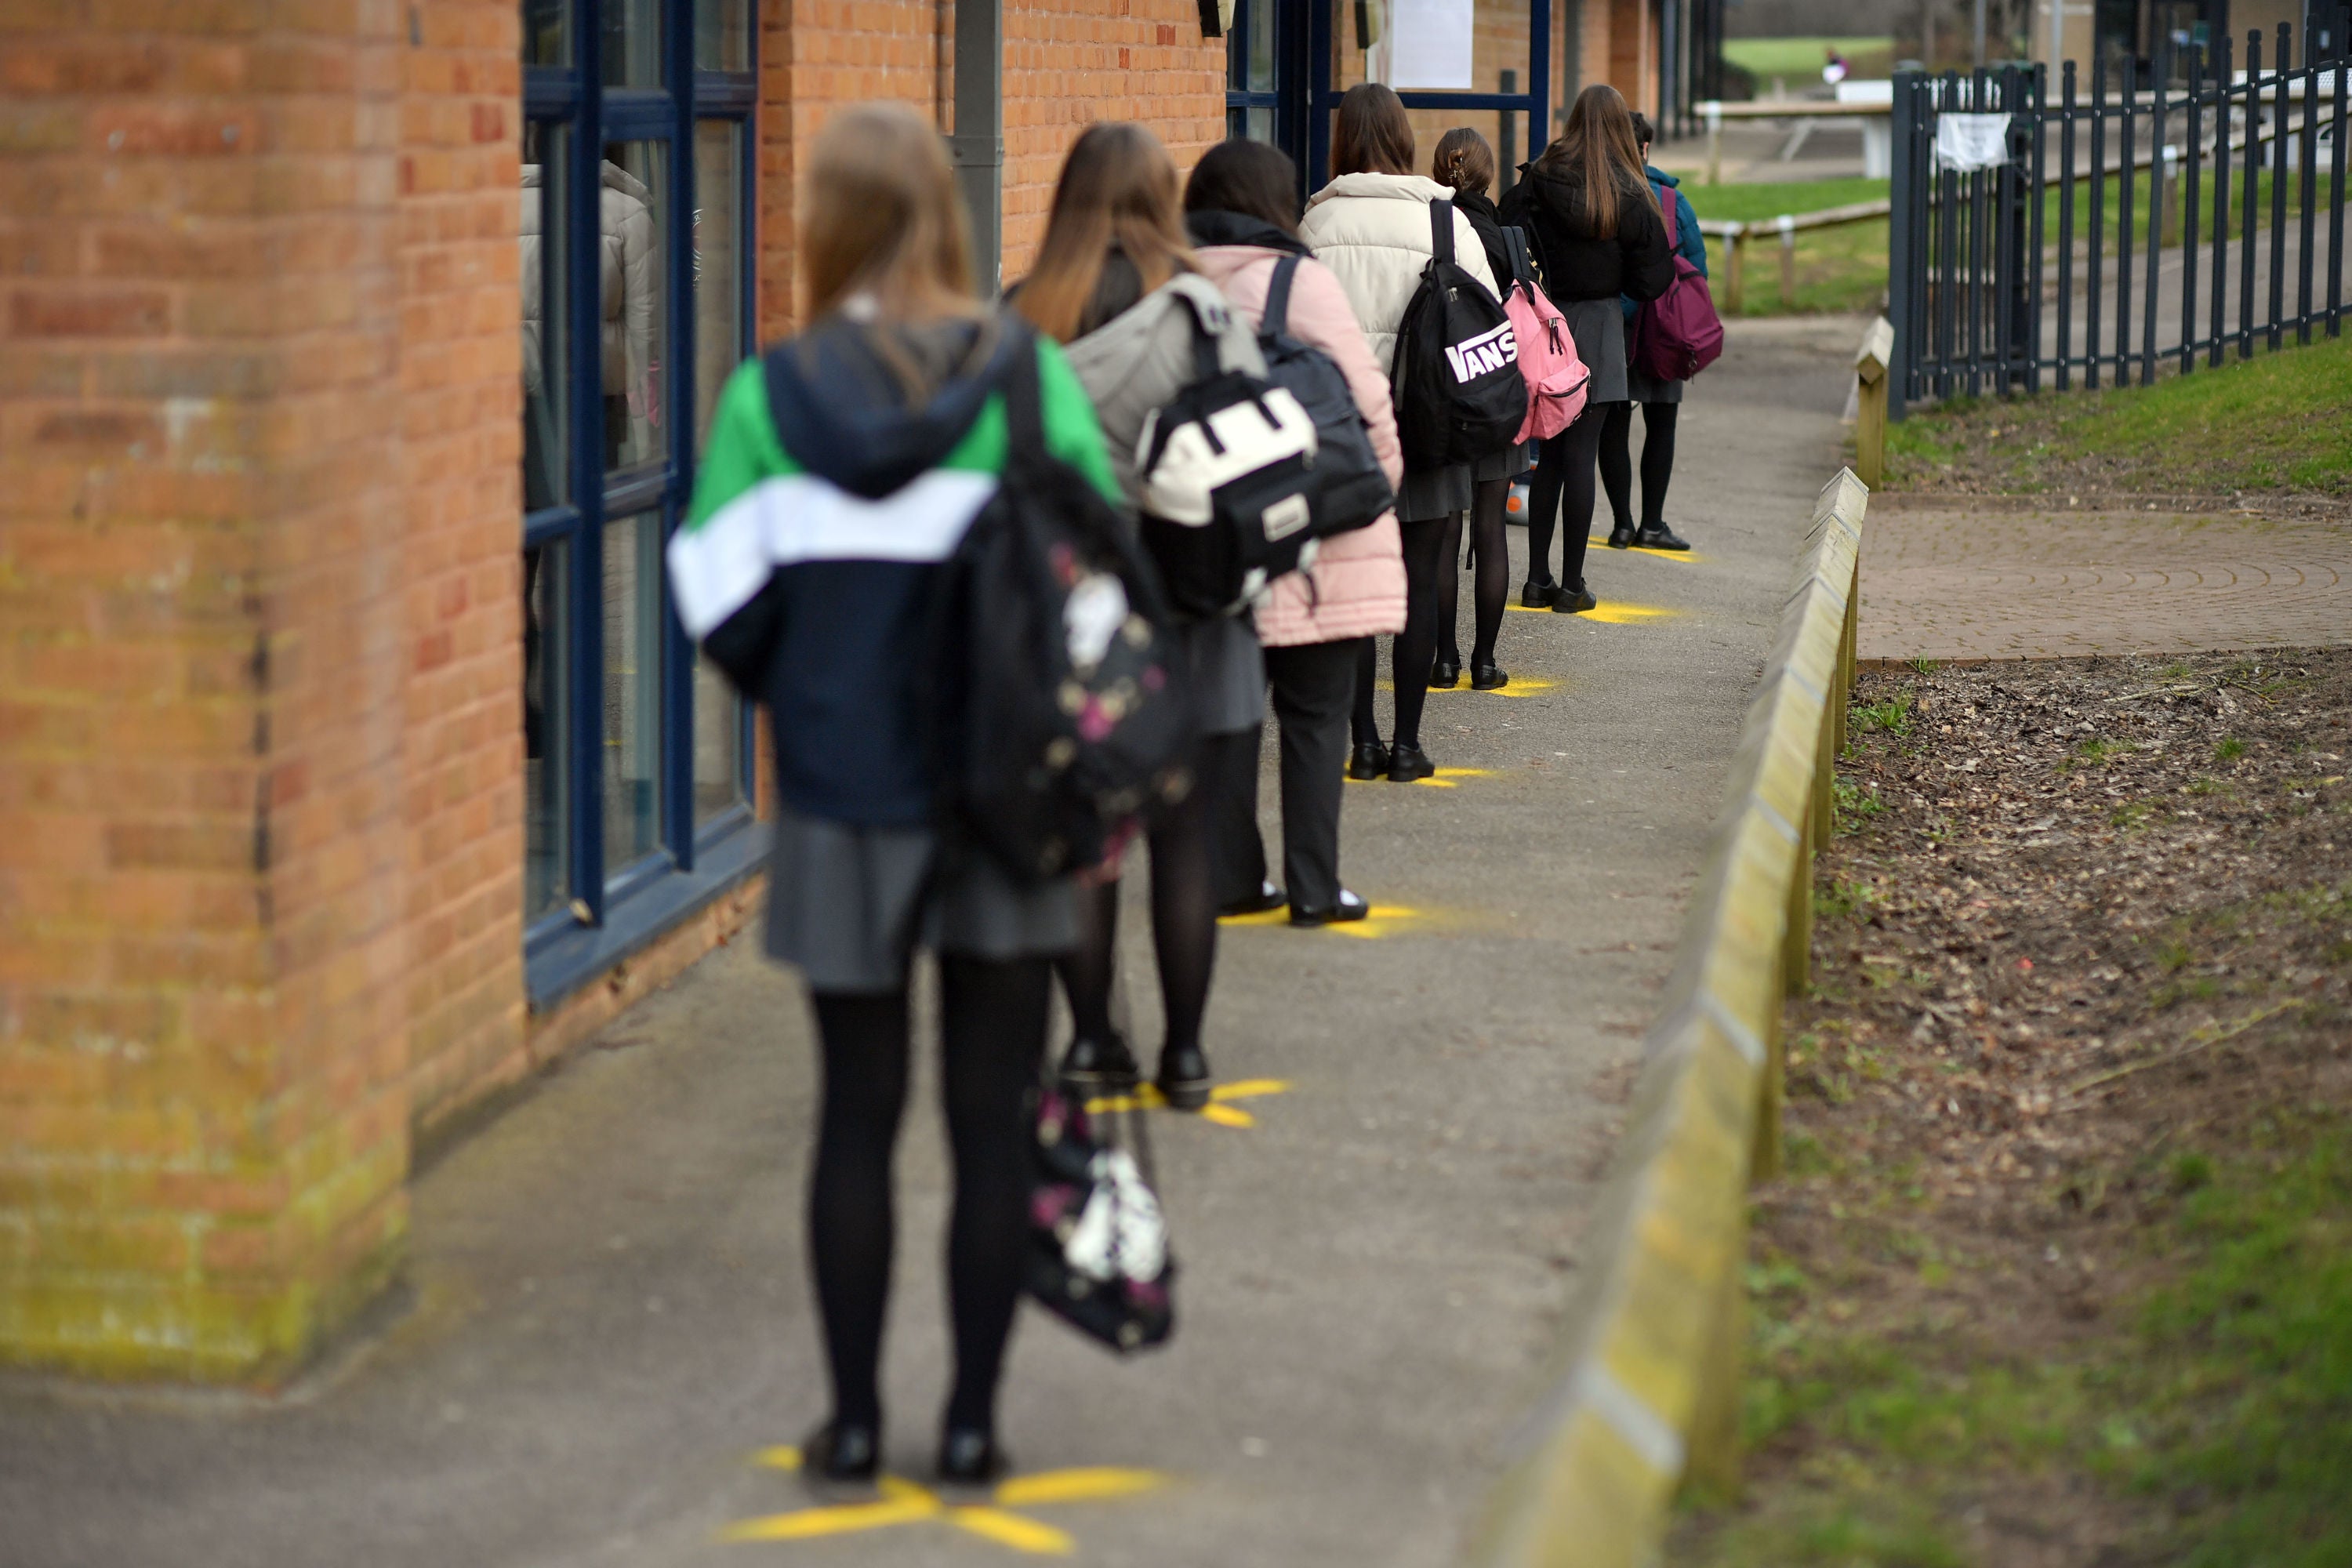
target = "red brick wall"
x: 203, y: 1132
x: 460, y: 378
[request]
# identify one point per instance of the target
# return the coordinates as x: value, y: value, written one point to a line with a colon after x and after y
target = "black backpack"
x: 1351, y: 489
x: 1459, y: 394
x: 1226, y: 475
x: 1064, y: 706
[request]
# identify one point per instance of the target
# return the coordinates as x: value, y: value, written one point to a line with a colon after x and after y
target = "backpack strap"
x: 1205, y: 359
x: 1276, y: 315
x: 1514, y: 240
x: 1441, y: 228
x: 1666, y: 210
x: 1024, y: 415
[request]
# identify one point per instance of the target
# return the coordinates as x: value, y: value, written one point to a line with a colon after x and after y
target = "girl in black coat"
x: 1599, y: 235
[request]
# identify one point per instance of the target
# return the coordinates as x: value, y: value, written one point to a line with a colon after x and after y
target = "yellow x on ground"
x: 1384, y: 920
x: 1614, y: 613
x: 1220, y: 1110
x: 900, y: 1501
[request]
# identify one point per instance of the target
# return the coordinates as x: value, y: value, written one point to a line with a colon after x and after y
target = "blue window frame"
x: 636, y: 254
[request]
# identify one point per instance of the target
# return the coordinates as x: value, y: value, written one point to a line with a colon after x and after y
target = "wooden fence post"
x: 1870, y: 362
x: 1734, y: 289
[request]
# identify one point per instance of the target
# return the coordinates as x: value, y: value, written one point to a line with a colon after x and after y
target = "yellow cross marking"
x: 1683, y: 557
x: 1220, y: 1110
x: 1617, y: 612
x: 1383, y: 920
x: 1520, y: 686
x: 901, y: 1501
x: 1443, y: 778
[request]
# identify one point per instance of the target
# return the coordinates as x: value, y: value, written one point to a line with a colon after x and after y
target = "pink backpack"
x: 1556, y: 378
x: 1677, y: 334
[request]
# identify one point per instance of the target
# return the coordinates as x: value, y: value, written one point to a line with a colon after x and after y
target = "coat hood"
x: 1396, y: 188
x: 1213, y: 229
x: 616, y: 178
x: 838, y: 395
x: 1478, y: 204
x: 1660, y: 177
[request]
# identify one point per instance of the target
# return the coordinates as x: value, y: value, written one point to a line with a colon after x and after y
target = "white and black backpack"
x: 1459, y: 394
x: 1226, y: 470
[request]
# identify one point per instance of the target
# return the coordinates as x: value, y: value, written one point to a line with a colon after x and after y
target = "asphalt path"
x: 606, y: 1332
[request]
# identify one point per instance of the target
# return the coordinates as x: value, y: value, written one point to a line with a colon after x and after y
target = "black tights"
x: 1566, y: 465
x: 1492, y: 585
x: 992, y: 1035
x: 1657, y: 461
x: 1415, y: 649
x: 1184, y: 912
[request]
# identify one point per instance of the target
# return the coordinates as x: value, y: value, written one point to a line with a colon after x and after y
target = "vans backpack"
x: 1677, y: 334
x: 1227, y: 474
x: 1063, y: 709
x: 1350, y: 489
x: 1556, y: 379
x: 1459, y: 394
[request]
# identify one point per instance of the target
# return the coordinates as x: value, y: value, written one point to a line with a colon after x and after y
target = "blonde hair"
x: 883, y: 217
x: 1117, y: 189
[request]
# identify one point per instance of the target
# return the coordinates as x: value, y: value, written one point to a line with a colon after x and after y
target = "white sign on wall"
x: 1430, y: 44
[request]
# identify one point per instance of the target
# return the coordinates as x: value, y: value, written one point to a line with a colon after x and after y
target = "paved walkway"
x: 611, y: 1320
x: 1947, y: 581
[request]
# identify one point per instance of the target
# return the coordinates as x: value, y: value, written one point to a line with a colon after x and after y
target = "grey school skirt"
x: 847, y: 905
x: 1428, y: 494
x: 1643, y: 389
x: 1228, y: 670
x: 1598, y: 328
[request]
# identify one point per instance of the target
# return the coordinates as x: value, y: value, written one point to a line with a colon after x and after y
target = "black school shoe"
x: 1089, y: 1064
x: 1349, y: 908
x: 1370, y: 760
x: 1409, y: 764
x: 1574, y: 601
x: 842, y: 1451
x: 1445, y: 674
x: 969, y: 1458
x: 1267, y: 896
x: 1658, y: 538
x: 1539, y: 596
x: 1185, y: 1080
x: 1620, y: 537
x: 1488, y: 678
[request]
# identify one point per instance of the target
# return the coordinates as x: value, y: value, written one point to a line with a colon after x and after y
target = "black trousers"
x: 1314, y: 685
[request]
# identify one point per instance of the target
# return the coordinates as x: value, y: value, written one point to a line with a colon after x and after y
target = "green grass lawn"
x: 1838, y: 269
x: 1800, y: 60
x: 2280, y: 421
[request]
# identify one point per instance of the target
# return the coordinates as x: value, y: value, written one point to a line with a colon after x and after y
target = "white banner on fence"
x: 1967, y: 142
x: 1430, y: 44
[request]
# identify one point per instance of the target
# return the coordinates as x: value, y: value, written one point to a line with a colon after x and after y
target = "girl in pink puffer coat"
x: 1242, y: 208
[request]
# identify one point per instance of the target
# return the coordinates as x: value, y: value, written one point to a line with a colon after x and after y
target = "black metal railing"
x: 2096, y: 244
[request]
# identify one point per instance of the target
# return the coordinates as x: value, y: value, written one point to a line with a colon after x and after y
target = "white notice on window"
x: 1431, y: 44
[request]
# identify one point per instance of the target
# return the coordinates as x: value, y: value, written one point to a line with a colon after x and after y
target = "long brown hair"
x: 1598, y: 146
x: 1373, y: 135
x: 883, y: 217
x: 1117, y: 189
x: 1463, y: 160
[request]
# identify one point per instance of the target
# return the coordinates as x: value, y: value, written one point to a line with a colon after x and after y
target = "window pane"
x: 545, y: 443
x: 719, y: 262
x: 632, y: 30
x: 718, y: 742
x: 633, y: 624
x: 722, y: 35
x: 546, y: 41
x: 1261, y: 46
x: 632, y: 213
x: 546, y: 727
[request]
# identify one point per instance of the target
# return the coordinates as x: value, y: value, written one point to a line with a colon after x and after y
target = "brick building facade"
x: 277, y: 900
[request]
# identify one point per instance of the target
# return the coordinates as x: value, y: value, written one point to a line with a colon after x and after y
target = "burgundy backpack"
x: 1677, y: 334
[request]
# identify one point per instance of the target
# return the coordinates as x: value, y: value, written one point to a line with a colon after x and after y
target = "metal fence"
x: 2167, y: 211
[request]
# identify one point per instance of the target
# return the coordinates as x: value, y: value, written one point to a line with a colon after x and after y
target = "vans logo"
x: 1483, y: 355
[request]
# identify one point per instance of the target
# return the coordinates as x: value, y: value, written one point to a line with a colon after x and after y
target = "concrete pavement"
x: 609, y: 1318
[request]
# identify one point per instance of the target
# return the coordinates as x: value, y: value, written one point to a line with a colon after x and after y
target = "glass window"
x: 718, y: 744
x: 722, y: 35
x: 546, y: 41
x: 633, y: 627
x: 632, y: 216
x: 546, y: 727
x: 545, y: 446
x: 632, y: 43
x: 718, y: 261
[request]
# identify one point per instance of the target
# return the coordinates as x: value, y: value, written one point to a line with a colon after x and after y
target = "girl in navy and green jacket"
x: 840, y: 474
